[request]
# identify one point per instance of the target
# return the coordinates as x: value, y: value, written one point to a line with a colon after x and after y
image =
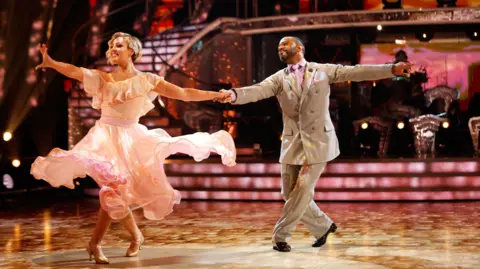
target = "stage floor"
x: 238, y: 235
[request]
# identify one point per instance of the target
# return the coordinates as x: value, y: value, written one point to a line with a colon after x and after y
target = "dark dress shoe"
x: 322, y: 240
x: 282, y: 247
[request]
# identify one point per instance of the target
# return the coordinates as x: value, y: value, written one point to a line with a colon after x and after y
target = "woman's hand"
x: 46, y: 60
x: 223, y: 96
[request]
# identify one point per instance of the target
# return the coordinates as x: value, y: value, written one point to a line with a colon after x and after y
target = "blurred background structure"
x: 412, y: 138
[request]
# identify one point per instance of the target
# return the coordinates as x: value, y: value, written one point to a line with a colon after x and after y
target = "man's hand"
x: 402, y: 69
x: 225, y: 96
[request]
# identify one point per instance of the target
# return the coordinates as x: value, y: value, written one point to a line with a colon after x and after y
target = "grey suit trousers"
x: 298, y: 187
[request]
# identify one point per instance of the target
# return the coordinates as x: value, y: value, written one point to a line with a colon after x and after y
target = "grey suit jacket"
x: 308, y: 133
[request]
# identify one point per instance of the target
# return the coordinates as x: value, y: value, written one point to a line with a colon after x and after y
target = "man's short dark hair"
x: 400, y: 53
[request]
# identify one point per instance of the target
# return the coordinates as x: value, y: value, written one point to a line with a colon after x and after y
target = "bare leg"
x: 137, y: 238
x: 101, y: 227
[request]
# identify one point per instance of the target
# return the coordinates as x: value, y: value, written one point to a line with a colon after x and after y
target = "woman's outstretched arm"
x: 68, y: 70
x: 170, y: 90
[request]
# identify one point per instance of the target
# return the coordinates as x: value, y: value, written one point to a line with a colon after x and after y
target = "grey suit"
x: 309, y: 137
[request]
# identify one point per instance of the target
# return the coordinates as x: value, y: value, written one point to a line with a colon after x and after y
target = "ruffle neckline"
x: 118, y: 92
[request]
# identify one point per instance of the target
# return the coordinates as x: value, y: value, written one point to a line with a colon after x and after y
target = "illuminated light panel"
x: 335, y: 196
x: 331, y: 183
x: 415, y: 166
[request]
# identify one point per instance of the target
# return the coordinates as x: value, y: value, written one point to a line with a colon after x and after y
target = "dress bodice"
x: 126, y: 99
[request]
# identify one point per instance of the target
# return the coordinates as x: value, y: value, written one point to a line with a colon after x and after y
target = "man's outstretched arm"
x: 265, y: 89
x: 341, y: 73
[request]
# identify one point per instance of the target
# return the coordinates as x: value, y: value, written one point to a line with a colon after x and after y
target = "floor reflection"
x: 238, y: 235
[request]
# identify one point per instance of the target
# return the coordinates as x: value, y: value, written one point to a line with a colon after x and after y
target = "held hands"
x: 46, y: 60
x: 402, y: 69
x: 224, y: 96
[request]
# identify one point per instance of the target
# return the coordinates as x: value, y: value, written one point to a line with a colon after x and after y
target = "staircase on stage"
x: 343, y: 180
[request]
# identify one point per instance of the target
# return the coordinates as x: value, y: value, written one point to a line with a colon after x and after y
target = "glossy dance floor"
x: 237, y: 235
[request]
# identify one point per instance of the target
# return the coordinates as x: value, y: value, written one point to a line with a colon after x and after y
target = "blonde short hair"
x: 132, y: 43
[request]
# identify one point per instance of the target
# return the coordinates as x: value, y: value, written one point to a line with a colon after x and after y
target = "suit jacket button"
x: 313, y: 128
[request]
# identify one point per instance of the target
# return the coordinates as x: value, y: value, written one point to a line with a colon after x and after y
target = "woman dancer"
x: 121, y: 155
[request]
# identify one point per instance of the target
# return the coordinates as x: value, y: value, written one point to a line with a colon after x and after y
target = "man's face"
x: 287, y: 48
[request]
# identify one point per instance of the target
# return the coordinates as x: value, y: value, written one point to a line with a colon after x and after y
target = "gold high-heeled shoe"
x: 97, y: 253
x: 135, y: 247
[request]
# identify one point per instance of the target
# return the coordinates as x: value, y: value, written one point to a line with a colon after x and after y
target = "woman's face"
x: 119, y: 51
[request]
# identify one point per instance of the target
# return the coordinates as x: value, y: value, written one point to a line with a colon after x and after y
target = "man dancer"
x: 309, y: 139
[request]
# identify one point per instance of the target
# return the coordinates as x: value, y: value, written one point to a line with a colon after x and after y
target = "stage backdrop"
x: 377, y: 4
x: 454, y: 64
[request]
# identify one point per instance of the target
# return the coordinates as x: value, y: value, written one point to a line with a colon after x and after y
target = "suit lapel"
x: 292, y: 82
x: 307, y: 81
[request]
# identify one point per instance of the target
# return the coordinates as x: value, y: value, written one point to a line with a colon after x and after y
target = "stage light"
x: 402, y: 139
x: 16, y: 163
x: 445, y: 124
x: 7, y: 136
x: 424, y: 36
x: 379, y: 27
x: 33, y: 102
x: 368, y: 139
x: 473, y: 35
x: 400, y: 41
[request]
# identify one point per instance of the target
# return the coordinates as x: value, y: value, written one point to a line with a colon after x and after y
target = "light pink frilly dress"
x: 123, y: 156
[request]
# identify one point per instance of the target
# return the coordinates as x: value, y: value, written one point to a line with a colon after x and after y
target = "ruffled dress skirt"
x: 126, y: 161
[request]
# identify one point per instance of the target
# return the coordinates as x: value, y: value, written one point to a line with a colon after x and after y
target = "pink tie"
x: 296, y: 69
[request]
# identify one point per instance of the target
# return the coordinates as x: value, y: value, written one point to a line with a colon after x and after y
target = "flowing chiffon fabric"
x: 124, y: 157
